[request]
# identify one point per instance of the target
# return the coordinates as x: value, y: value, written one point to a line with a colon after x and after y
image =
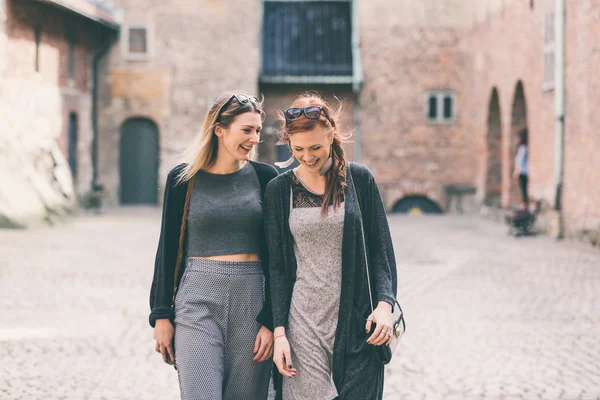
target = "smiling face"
x: 312, y: 148
x: 241, y: 137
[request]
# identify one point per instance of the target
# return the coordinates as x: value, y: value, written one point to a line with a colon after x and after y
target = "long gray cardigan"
x: 357, y: 373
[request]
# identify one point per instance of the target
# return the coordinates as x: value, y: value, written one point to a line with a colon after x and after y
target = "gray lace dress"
x: 315, y: 301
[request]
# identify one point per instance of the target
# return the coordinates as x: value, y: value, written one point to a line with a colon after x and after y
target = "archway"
x: 139, y: 162
x: 416, y: 205
x: 493, y: 182
x: 518, y: 123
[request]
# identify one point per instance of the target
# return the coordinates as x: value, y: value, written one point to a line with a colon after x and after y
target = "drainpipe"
x: 98, y: 56
x: 357, y: 79
x: 559, y: 94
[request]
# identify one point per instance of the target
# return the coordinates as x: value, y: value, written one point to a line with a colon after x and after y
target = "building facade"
x: 47, y: 53
x: 435, y: 93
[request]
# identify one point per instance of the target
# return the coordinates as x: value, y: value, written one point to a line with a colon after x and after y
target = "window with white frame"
x: 441, y: 106
x: 548, y: 79
x: 136, y: 42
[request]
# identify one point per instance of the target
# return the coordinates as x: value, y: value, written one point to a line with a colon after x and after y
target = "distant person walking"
x: 521, y: 171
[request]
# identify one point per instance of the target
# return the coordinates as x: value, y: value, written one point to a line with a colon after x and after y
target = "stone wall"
x: 196, y: 52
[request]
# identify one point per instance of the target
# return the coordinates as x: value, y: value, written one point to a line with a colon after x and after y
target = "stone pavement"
x: 489, y: 316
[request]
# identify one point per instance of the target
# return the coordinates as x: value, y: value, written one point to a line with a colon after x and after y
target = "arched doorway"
x: 139, y: 162
x: 493, y: 181
x: 518, y: 123
x: 416, y: 205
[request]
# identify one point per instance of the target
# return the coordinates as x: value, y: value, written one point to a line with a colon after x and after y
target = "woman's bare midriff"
x: 233, y: 257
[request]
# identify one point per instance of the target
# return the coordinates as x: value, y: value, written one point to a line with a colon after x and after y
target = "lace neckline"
x: 304, y: 185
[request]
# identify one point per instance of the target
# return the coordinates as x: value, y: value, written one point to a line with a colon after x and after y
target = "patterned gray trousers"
x: 215, y: 331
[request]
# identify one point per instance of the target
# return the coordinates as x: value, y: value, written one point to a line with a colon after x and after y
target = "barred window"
x: 306, y: 39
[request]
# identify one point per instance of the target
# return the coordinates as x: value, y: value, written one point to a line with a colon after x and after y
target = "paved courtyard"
x: 489, y: 316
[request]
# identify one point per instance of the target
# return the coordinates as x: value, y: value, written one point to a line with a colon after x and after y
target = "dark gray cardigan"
x: 354, y: 301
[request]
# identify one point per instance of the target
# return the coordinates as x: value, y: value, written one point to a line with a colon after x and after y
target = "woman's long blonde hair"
x: 203, y: 151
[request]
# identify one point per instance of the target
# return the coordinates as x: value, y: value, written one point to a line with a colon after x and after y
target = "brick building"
x: 435, y: 93
x: 47, y: 53
x: 513, y: 71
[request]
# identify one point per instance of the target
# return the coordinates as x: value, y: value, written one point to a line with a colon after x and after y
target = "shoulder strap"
x: 362, y: 230
x: 186, y: 209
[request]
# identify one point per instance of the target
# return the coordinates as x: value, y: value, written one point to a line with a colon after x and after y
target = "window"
x: 136, y: 42
x: 72, y: 55
x: 448, y: 102
x: 37, y: 32
x: 440, y: 106
x: 548, y: 79
x: 433, y: 108
x: 307, y: 40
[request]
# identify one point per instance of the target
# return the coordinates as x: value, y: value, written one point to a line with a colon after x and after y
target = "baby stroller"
x: 520, y: 223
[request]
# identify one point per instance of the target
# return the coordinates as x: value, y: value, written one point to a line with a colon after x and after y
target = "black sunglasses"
x: 312, y: 112
x: 241, y: 98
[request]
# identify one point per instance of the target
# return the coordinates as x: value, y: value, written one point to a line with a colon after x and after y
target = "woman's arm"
x: 281, y: 291
x: 266, y: 174
x: 382, y: 262
x: 379, y: 242
x: 161, y: 292
x: 274, y: 231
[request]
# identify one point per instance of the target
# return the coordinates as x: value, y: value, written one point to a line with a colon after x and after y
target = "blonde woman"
x: 217, y: 328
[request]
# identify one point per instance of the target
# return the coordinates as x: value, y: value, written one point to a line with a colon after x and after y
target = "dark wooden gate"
x: 139, y: 162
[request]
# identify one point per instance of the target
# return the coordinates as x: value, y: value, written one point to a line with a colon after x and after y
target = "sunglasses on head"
x: 242, y: 98
x: 312, y: 112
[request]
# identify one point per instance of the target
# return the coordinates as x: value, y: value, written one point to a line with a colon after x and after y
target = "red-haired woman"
x: 324, y: 346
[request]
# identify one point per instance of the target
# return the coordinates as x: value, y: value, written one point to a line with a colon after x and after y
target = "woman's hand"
x: 163, y: 334
x: 263, y: 346
x: 282, y: 354
x: 382, y: 317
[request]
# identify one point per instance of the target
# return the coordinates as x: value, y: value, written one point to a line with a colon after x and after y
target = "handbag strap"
x: 186, y: 209
x: 362, y: 230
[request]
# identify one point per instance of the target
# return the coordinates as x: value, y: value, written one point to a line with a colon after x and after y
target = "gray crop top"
x: 225, y: 214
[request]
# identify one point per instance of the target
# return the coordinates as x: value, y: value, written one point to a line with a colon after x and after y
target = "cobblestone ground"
x: 489, y: 316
